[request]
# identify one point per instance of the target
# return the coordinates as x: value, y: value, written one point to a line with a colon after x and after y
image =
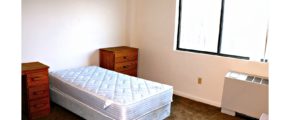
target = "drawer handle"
x: 36, y: 78
x: 39, y: 105
x: 38, y: 92
x: 126, y: 66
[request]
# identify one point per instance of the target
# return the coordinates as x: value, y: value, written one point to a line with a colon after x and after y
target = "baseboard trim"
x: 199, y: 99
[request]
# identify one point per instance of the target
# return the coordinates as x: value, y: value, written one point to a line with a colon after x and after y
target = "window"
x: 233, y: 28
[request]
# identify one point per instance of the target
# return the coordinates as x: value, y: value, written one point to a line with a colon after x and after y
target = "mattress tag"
x: 107, y: 103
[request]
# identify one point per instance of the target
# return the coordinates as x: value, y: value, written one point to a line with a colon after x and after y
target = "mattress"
x: 115, y: 95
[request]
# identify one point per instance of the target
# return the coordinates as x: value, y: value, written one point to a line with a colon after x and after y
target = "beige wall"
x: 67, y: 33
x: 154, y: 34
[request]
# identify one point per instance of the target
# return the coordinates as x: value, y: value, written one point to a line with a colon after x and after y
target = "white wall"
x: 155, y: 36
x: 68, y: 33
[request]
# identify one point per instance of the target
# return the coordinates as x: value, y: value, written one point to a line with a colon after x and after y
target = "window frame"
x: 219, y: 37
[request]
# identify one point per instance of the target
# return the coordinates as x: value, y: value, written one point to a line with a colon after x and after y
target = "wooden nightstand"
x: 121, y: 59
x: 35, y: 90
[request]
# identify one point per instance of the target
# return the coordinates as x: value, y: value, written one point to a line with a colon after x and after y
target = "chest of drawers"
x: 121, y: 59
x: 35, y: 90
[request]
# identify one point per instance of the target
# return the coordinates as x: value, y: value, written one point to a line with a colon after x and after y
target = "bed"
x: 95, y: 93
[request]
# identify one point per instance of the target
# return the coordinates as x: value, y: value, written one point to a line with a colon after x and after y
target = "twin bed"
x: 95, y: 93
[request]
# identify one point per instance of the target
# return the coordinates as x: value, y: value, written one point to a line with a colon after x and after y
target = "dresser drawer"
x: 124, y: 57
x: 38, y: 91
x: 121, y: 53
x: 125, y: 66
x: 37, y: 78
x: 132, y: 72
x: 39, y: 114
x: 38, y: 105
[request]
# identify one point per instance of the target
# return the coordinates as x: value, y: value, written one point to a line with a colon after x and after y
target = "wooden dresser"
x: 35, y: 90
x: 121, y: 59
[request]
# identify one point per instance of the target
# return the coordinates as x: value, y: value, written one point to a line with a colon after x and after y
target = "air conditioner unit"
x: 245, y: 93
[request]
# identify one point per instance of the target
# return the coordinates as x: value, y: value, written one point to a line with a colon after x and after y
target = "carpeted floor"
x: 186, y: 109
x: 181, y: 109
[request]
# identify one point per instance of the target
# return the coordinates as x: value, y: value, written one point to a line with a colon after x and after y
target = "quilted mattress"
x: 115, y: 95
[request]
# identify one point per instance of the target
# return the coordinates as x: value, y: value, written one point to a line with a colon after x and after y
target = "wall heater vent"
x: 245, y: 93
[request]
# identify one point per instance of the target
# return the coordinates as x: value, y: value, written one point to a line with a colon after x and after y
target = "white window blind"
x: 234, y: 28
x: 245, y: 28
x: 200, y: 24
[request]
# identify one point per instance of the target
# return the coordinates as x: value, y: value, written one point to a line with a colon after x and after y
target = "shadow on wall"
x: 94, y: 58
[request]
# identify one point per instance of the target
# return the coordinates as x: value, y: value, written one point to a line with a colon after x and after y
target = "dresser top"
x: 121, y: 48
x: 33, y: 66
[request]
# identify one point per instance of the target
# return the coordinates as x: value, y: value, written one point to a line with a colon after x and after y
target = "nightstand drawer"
x: 38, y: 105
x: 37, y: 78
x: 38, y: 91
x: 126, y: 58
x: 125, y: 66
